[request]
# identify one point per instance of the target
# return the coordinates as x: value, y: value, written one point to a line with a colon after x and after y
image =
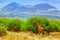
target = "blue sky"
x: 55, y: 3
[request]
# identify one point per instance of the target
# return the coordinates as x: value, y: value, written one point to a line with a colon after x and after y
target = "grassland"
x: 25, y: 29
x: 28, y: 36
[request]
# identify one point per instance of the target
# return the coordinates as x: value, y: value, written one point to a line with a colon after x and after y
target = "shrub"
x: 3, y: 26
x: 30, y: 26
x: 54, y: 25
x: 15, y: 24
x: 2, y: 30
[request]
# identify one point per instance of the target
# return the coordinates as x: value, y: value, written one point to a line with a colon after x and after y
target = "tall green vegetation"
x: 55, y: 25
x: 30, y: 26
x: 3, y: 26
x: 17, y: 24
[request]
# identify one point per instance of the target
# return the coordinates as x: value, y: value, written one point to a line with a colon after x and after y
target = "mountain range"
x: 24, y: 11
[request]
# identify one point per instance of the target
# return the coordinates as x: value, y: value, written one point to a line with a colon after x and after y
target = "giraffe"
x: 39, y: 27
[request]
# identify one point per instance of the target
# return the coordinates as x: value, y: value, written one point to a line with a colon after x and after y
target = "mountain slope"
x: 25, y: 11
x: 11, y: 7
x: 16, y: 7
x: 44, y: 6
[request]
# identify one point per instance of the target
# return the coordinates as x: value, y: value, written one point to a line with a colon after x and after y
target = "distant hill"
x: 44, y: 6
x: 14, y: 9
x: 11, y: 7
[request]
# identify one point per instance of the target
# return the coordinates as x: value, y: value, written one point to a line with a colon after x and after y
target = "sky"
x: 55, y: 3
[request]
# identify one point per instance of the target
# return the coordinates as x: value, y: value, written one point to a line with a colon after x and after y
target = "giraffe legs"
x: 41, y: 34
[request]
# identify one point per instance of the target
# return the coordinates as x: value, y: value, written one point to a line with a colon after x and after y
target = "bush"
x: 15, y: 24
x: 3, y: 30
x: 54, y: 25
x: 45, y: 23
x: 4, y: 21
x: 3, y: 26
x: 30, y: 25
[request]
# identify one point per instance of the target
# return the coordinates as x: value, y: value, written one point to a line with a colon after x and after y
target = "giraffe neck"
x: 37, y: 24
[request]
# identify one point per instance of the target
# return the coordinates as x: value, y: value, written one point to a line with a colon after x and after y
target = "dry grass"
x: 29, y: 36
